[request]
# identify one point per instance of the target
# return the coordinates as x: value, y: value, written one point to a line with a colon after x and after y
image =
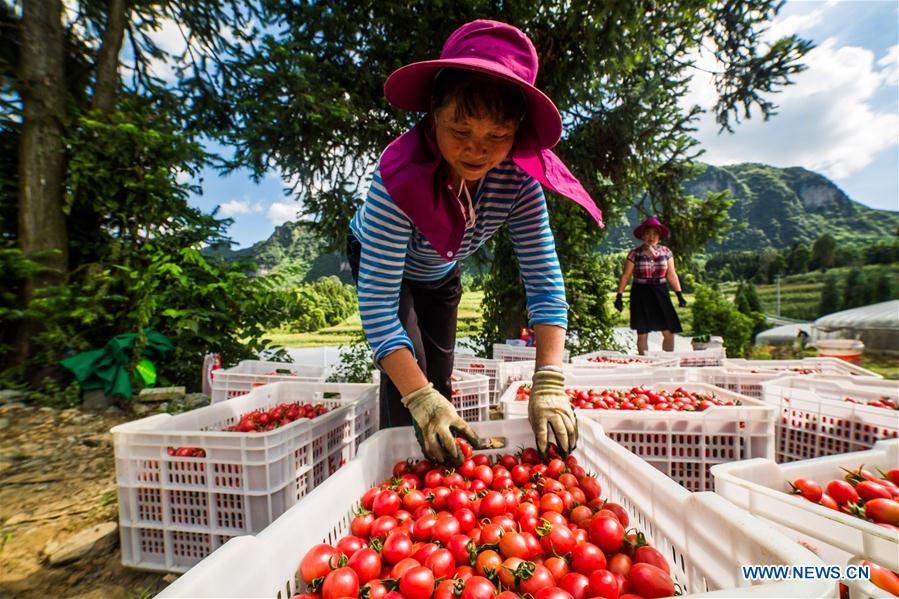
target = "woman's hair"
x: 478, y: 95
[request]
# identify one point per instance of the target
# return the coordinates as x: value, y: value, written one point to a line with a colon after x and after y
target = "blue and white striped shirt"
x: 393, y: 248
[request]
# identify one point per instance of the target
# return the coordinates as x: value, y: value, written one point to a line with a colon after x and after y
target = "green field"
x: 350, y: 329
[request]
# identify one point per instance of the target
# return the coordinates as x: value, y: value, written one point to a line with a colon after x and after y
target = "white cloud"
x: 236, y: 207
x: 889, y: 64
x: 281, y: 212
x: 793, y: 24
x: 170, y: 38
x: 825, y: 121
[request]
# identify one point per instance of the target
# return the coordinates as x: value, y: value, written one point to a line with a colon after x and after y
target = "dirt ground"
x: 57, y: 477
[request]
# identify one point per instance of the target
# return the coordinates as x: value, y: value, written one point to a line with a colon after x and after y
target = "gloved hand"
x: 437, y: 424
x: 549, y: 407
x: 681, y: 302
x: 619, y: 303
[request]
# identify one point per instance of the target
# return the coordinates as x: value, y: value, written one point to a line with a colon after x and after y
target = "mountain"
x: 773, y: 207
x: 293, y: 243
x: 776, y: 207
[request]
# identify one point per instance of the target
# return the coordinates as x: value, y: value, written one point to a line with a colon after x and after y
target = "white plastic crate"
x: 814, y: 421
x: 741, y: 381
x: 578, y: 375
x: 228, y: 383
x: 173, y: 511
x: 499, y: 374
x: 760, y: 486
x: 704, y: 538
x: 471, y: 396
x: 615, y: 360
x: 692, y: 359
x: 515, y: 353
x: 830, y: 366
x: 864, y: 589
x: 683, y: 445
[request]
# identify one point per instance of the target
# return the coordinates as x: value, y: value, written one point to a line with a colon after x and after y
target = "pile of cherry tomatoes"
x: 609, y: 360
x: 860, y: 493
x: 883, y: 402
x: 517, y: 526
x: 259, y: 421
x: 637, y: 398
x: 863, y: 494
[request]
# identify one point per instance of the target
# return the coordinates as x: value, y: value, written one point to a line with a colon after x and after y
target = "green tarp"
x: 107, y: 368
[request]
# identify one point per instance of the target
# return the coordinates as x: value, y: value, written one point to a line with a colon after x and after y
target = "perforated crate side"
x: 814, y: 421
x: 245, y: 481
x: 683, y: 445
x: 228, y: 383
x: 514, y: 353
x: 471, y: 396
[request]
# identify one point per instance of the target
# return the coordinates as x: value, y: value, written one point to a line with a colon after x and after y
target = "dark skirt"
x: 652, y: 310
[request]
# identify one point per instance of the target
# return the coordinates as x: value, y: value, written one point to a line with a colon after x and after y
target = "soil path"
x: 57, y: 477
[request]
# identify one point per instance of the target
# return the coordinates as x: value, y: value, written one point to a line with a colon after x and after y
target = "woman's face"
x: 651, y: 236
x: 472, y: 146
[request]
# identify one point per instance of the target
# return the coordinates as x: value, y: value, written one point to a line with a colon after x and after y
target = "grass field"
x: 350, y: 329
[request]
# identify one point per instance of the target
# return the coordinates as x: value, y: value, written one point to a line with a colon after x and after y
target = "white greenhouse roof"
x: 882, y: 316
x: 786, y: 333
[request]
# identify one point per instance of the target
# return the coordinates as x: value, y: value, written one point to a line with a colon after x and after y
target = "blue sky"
x: 841, y: 118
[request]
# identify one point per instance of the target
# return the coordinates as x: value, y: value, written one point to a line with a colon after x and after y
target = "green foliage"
x: 714, y: 315
x: 312, y: 306
x: 824, y: 252
x: 798, y: 258
x: 883, y: 287
x: 355, y: 364
x: 763, y: 266
x: 830, y: 296
x: 747, y: 299
x: 853, y: 290
x: 136, y: 256
x: 696, y: 221
x: 882, y: 253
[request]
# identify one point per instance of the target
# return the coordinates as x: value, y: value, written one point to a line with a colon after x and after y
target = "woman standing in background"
x: 652, y: 266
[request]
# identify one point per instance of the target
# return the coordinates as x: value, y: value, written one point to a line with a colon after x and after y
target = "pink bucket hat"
x: 652, y: 222
x: 488, y: 47
x: 410, y: 165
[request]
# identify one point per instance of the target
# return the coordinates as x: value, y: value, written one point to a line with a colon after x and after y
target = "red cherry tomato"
x: 417, y: 583
x: 649, y: 581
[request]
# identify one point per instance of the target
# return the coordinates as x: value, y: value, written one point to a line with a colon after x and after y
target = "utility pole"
x: 777, y: 280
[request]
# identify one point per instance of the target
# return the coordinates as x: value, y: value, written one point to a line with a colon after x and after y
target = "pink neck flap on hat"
x: 409, y: 169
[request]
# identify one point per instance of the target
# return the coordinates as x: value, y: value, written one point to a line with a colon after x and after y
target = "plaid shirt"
x: 650, y: 269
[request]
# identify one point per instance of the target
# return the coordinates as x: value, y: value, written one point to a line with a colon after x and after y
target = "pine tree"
x: 853, y: 290
x: 830, y: 297
x: 824, y: 252
x: 883, y: 287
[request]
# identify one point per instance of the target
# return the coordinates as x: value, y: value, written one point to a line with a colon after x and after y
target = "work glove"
x: 681, y: 302
x: 436, y: 424
x: 619, y: 303
x: 550, y: 408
